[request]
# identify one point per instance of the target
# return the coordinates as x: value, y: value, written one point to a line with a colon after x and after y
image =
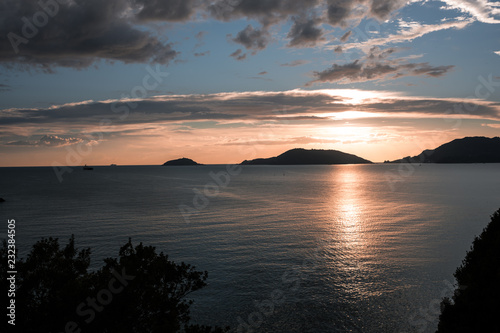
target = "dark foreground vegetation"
x: 140, y: 291
x: 475, y: 305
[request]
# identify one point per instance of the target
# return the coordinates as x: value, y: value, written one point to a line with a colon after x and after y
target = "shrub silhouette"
x: 475, y: 306
x: 140, y: 291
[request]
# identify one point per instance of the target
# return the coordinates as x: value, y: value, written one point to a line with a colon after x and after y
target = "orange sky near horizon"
x: 232, y: 127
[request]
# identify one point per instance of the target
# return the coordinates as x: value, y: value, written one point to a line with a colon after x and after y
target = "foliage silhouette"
x: 475, y: 305
x: 140, y: 291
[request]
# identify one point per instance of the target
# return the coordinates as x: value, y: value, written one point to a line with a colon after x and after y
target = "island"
x: 300, y: 156
x: 478, y: 149
x: 181, y: 162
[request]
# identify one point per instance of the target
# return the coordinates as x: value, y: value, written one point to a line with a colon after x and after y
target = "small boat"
x: 85, y: 167
x: 113, y: 165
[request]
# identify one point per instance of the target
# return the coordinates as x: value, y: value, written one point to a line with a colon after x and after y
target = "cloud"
x: 5, y: 87
x: 339, y: 11
x: 47, y: 141
x: 305, y: 32
x: 491, y: 125
x: 377, y: 65
x: 201, y: 54
x: 408, y: 31
x: 381, y: 9
x: 295, y: 63
x: 346, y: 36
x: 426, y: 69
x: 200, y: 35
x: 497, y: 52
x: 244, y: 116
x: 164, y: 10
x: 252, y: 39
x: 482, y: 10
x: 302, y: 140
x: 358, y: 71
x: 79, y: 34
x: 238, y: 54
x: 262, y: 73
x: 267, y: 12
x: 75, y: 119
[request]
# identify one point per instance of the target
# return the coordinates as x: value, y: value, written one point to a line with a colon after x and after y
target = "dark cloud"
x: 262, y: 73
x: 252, y: 39
x: 165, y: 10
x: 267, y: 12
x: 339, y: 11
x: 377, y: 65
x: 426, y: 69
x: 339, y: 72
x: 238, y: 55
x: 338, y: 49
x: 80, y: 33
x: 171, y: 108
x: 77, y: 34
x: 381, y: 9
x: 305, y: 32
x: 295, y: 63
x: 448, y: 108
x: 376, y: 53
x: 345, y: 37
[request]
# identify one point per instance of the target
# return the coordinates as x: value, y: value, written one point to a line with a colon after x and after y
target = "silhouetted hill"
x: 474, y: 307
x: 467, y: 150
x: 301, y: 156
x: 181, y: 162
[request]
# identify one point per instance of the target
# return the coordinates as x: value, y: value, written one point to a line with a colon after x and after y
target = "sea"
x: 337, y: 248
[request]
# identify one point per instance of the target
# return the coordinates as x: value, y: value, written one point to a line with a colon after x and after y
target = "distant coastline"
x: 476, y: 149
x: 466, y: 150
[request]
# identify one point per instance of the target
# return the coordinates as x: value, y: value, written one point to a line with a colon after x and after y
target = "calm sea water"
x: 288, y: 249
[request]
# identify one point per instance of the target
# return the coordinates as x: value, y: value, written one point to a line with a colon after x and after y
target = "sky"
x: 136, y: 82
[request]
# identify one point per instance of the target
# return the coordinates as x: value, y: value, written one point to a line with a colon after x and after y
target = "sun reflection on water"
x: 347, y: 202
x: 351, y: 258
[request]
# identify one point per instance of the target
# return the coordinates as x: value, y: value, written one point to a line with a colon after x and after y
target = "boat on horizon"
x: 85, y: 167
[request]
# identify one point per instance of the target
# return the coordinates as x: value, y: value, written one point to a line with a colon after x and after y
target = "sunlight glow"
x: 349, y: 132
x: 357, y: 96
x: 351, y: 115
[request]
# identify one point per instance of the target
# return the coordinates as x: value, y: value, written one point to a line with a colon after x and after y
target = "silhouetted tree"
x: 475, y: 305
x: 140, y: 291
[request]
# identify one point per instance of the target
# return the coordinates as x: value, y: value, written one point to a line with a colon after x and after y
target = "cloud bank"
x: 246, y: 107
x: 78, y: 33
